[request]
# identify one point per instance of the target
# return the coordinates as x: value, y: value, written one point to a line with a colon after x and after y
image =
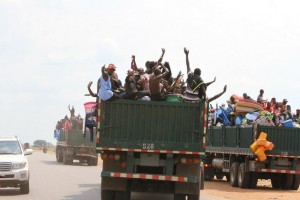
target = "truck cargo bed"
x: 152, y: 125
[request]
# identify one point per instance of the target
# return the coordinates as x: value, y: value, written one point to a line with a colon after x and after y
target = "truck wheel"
x: 234, y: 174
x: 24, y: 187
x: 253, y: 180
x: 243, y: 176
x: 59, y: 157
x: 67, y: 160
x: 275, y: 181
x: 107, y: 195
x: 286, y: 181
x: 208, y: 174
x: 296, y: 181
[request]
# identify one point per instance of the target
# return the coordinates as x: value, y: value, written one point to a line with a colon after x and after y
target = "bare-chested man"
x: 155, y: 84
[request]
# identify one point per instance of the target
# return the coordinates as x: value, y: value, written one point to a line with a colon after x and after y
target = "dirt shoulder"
x: 263, y: 191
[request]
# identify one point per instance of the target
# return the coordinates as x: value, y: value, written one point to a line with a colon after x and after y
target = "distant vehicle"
x: 14, y: 168
x: 72, y: 146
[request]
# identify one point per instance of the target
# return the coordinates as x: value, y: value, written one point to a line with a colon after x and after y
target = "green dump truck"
x: 149, y: 146
x: 71, y: 145
x: 228, y: 154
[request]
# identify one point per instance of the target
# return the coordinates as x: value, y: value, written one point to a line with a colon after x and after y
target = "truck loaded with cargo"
x: 150, y: 146
x: 244, y: 153
x: 72, y: 143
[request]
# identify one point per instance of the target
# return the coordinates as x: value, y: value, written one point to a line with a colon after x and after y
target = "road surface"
x: 50, y: 180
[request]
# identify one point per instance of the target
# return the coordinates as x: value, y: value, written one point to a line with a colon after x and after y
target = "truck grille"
x: 5, y: 166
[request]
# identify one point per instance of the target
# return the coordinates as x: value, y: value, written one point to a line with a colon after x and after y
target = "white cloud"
x: 49, y: 50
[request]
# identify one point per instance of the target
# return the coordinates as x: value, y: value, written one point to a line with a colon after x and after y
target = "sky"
x: 51, y: 49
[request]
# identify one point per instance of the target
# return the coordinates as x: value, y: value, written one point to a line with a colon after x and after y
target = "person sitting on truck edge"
x: 156, y: 87
x: 116, y: 84
x: 131, y: 91
x: 105, y: 91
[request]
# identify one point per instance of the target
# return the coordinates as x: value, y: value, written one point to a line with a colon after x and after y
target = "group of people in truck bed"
x: 277, y: 112
x: 153, y: 83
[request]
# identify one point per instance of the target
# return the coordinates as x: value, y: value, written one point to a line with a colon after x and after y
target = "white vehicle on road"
x: 14, y: 169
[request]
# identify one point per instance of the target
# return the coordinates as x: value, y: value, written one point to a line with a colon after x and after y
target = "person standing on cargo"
x: 105, y: 92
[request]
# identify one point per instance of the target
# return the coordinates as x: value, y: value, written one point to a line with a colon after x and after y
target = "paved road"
x: 50, y: 180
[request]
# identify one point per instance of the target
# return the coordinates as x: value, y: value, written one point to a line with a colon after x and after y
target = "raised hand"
x: 186, y: 51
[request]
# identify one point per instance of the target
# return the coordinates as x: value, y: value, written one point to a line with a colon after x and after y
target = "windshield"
x: 10, y: 147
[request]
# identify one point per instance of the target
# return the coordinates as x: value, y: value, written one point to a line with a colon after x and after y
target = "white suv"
x: 14, y: 169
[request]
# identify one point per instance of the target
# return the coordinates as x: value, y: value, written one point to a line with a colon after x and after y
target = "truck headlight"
x: 19, y: 165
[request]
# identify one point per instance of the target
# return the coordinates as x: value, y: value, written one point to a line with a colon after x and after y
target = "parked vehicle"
x: 228, y: 154
x: 14, y: 167
x: 71, y: 145
x: 151, y: 147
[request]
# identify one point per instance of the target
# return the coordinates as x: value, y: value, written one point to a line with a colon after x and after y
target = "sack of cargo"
x: 264, y: 121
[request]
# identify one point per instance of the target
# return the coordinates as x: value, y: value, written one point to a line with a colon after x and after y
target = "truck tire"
x: 59, y: 157
x: 296, y: 181
x: 286, y: 181
x: 67, y: 160
x: 243, y: 176
x: 234, y: 174
x: 253, y: 180
x: 208, y: 174
x: 24, y: 188
x: 275, y: 181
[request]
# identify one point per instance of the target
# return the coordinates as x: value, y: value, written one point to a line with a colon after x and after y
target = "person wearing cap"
x: 105, y: 91
x: 115, y: 82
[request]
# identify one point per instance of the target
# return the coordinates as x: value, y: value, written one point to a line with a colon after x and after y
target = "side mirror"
x: 28, y: 152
